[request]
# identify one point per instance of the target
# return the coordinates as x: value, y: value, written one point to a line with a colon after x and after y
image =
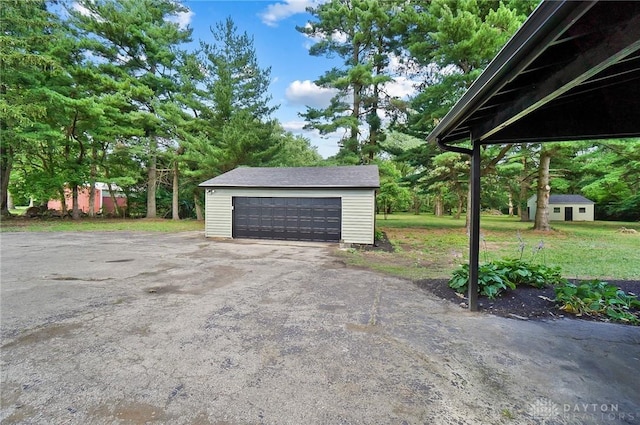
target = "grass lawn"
x: 432, y: 247
x: 99, y: 225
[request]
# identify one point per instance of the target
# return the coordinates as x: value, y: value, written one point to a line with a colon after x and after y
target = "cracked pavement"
x: 133, y: 328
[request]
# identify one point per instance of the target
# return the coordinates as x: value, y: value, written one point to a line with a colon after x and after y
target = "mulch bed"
x: 524, y: 302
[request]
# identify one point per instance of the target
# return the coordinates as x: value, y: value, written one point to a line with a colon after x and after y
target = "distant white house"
x: 565, y: 208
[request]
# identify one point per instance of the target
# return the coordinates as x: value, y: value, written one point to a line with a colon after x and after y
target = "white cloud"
x: 327, y: 144
x: 307, y: 93
x: 183, y: 19
x: 336, y: 36
x: 401, y: 87
x: 86, y: 12
x: 279, y: 11
x: 294, y: 126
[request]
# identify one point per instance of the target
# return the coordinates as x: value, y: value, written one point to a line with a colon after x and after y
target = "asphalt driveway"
x: 133, y: 328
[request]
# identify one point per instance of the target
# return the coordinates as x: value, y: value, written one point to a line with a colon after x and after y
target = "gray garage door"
x: 299, y: 219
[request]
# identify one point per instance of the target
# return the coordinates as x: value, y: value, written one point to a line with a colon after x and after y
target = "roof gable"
x: 358, y: 176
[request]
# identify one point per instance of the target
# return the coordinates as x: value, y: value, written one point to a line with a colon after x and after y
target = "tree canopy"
x: 110, y: 91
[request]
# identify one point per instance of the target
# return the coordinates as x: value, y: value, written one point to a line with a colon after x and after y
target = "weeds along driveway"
x: 129, y: 328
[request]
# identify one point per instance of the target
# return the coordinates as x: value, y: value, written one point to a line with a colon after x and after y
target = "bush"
x: 598, y: 298
x: 497, y: 276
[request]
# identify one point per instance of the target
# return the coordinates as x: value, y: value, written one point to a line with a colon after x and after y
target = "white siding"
x: 217, y: 213
x: 358, y: 217
x: 556, y: 211
x: 358, y: 209
x: 587, y: 215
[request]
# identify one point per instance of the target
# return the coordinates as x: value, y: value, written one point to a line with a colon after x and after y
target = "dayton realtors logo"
x: 545, y: 410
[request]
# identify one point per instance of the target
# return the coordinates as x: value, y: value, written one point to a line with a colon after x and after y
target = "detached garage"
x: 328, y: 204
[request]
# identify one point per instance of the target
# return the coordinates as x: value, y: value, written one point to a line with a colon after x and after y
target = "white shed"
x: 297, y: 203
x: 565, y: 208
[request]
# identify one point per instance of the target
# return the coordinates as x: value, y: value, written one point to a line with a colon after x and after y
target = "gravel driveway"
x: 133, y: 328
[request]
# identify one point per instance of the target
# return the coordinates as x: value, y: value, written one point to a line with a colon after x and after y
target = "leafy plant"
x: 491, y: 281
x: 497, y: 276
x: 598, y: 298
x: 526, y: 273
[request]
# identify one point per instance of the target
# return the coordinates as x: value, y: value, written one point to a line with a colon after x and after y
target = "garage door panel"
x: 308, y: 219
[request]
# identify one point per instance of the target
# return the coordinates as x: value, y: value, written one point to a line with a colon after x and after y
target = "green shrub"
x: 598, y: 298
x: 525, y: 273
x: 497, y: 276
x: 491, y: 282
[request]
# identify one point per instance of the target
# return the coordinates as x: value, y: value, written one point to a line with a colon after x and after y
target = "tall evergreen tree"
x: 361, y: 33
x: 140, y: 45
x: 233, y: 125
x: 27, y: 41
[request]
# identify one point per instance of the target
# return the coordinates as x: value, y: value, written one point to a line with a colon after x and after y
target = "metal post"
x: 474, y: 227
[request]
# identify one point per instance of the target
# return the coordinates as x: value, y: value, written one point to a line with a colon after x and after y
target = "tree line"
x: 108, y: 91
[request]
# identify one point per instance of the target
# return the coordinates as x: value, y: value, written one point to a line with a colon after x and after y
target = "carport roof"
x: 357, y: 176
x: 572, y: 72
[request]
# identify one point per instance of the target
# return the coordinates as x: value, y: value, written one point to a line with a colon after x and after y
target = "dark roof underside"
x: 361, y: 176
x: 572, y: 72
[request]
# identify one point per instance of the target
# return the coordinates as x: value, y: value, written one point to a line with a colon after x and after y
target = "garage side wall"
x: 358, y: 209
x: 217, y: 222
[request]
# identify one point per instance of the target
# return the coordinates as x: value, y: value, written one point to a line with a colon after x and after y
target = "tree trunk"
x: 542, y: 203
x: 114, y: 199
x: 510, y: 204
x: 6, y: 163
x: 438, y: 208
x: 196, y: 202
x: 459, y: 208
x: 152, y: 177
x: 75, y: 214
x: 92, y: 182
x: 175, y: 205
x: 10, y: 204
x: 92, y: 198
x: 523, y: 211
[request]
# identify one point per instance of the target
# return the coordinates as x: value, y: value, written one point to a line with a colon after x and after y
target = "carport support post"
x: 474, y: 226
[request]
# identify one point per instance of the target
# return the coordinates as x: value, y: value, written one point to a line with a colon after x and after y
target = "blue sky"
x: 278, y: 45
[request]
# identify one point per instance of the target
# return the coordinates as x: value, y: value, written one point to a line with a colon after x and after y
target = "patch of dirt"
x: 524, y: 302
x: 381, y: 244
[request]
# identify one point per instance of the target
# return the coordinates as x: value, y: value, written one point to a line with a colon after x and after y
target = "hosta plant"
x: 498, y: 276
x: 598, y: 298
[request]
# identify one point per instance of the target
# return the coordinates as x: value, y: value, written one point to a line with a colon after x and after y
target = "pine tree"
x: 27, y: 40
x: 140, y: 45
x: 361, y: 33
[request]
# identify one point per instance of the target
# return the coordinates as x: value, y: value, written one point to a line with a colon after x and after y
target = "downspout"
x: 474, y: 225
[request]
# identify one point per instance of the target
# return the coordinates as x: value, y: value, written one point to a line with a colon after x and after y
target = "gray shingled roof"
x: 358, y: 176
x: 569, y: 199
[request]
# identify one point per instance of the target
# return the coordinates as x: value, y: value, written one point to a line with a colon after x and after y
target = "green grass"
x: 432, y: 247
x: 99, y: 225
